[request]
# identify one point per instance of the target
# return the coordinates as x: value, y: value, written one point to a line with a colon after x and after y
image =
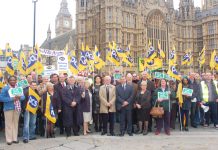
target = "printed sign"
x: 23, y: 83
x: 15, y: 92
x: 62, y: 63
x: 187, y: 91
x: 117, y: 76
x: 163, y: 95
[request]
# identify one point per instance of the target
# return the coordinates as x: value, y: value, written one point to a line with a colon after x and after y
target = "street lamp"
x: 34, y: 23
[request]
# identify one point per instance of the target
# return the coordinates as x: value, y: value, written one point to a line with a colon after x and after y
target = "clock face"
x: 66, y: 23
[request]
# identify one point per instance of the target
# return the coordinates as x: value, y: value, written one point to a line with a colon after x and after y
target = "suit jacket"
x: 103, y: 99
x: 58, y: 95
x: 124, y: 95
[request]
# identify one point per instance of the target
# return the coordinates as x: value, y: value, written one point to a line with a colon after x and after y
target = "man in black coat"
x: 124, y: 93
x: 58, y: 88
x: 71, y: 101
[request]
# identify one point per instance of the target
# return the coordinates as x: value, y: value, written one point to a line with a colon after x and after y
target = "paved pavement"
x: 200, y: 139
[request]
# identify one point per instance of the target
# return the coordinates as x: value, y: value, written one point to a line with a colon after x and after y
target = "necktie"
x: 124, y: 87
x: 107, y: 92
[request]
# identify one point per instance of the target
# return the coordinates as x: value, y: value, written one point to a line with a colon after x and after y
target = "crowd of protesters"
x: 87, y: 105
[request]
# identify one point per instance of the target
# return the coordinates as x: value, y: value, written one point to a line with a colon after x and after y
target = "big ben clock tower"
x: 63, y: 22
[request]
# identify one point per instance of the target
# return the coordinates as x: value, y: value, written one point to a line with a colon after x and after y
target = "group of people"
x: 79, y: 102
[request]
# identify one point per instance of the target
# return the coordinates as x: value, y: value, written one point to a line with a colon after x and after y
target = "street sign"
x: 15, y: 92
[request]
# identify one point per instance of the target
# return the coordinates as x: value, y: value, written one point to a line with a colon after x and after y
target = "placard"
x: 163, y: 95
x: 15, y: 92
x: 62, y: 63
x: 23, y: 83
x: 187, y: 91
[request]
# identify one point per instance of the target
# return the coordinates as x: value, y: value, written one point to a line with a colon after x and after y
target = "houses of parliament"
x: 136, y: 22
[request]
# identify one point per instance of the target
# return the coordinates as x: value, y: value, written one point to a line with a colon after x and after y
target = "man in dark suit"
x: 58, y: 88
x: 125, y: 94
x: 70, y: 105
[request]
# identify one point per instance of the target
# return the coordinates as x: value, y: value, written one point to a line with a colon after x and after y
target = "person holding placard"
x: 12, y: 109
x: 186, y: 105
x: 31, y: 105
x: 162, y: 97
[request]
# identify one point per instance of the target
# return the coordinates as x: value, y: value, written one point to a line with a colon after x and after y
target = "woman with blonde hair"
x: 49, y: 127
x: 86, y: 107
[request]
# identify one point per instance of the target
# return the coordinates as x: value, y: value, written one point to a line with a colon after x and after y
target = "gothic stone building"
x: 65, y: 35
x: 136, y: 21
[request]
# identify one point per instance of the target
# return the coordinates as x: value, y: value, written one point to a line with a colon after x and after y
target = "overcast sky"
x: 16, y: 20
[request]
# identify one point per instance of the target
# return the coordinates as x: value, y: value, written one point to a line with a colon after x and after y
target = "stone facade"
x: 136, y: 21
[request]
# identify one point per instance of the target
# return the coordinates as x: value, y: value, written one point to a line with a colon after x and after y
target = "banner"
x: 54, y: 53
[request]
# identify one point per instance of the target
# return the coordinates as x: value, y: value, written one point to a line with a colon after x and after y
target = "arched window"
x: 157, y: 29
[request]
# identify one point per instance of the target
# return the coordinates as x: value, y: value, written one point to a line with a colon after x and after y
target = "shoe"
x: 121, y: 134
x: 112, y: 134
x: 34, y: 138
x: 149, y: 130
x: 61, y: 132
x: 186, y: 129
x: 16, y: 142
x: 167, y: 132
x: 157, y: 132
x: 130, y: 134
x: 9, y: 143
x: 103, y: 133
x: 25, y: 141
x: 194, y: 126
x: 145, y: 132
x: 76, y: 134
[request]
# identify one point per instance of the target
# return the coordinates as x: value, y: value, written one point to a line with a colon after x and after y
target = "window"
x: 211, y: 28
x: 82, y: 3
x: 110, y: 35
x: 109, y: 14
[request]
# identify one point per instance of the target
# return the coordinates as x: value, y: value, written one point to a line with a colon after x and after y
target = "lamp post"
x: 34, y: 22
x: 168, y: 41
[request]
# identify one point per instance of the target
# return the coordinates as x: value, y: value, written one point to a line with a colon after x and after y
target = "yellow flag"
x: 172, y: 57
x: 212, y: 60
x: 202, y: 57
x: 33, y: 101
x: 140, y: 64
x: 49, y: 110
x: 8, y: 51
x: 1, y: 52
x: 9, y: 68
x: 1, y: 80
x: 22, y: 63
x: 179, y: 94
x: 161, y: 52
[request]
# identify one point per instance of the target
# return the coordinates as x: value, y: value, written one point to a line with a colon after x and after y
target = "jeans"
x: 29, y: 125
